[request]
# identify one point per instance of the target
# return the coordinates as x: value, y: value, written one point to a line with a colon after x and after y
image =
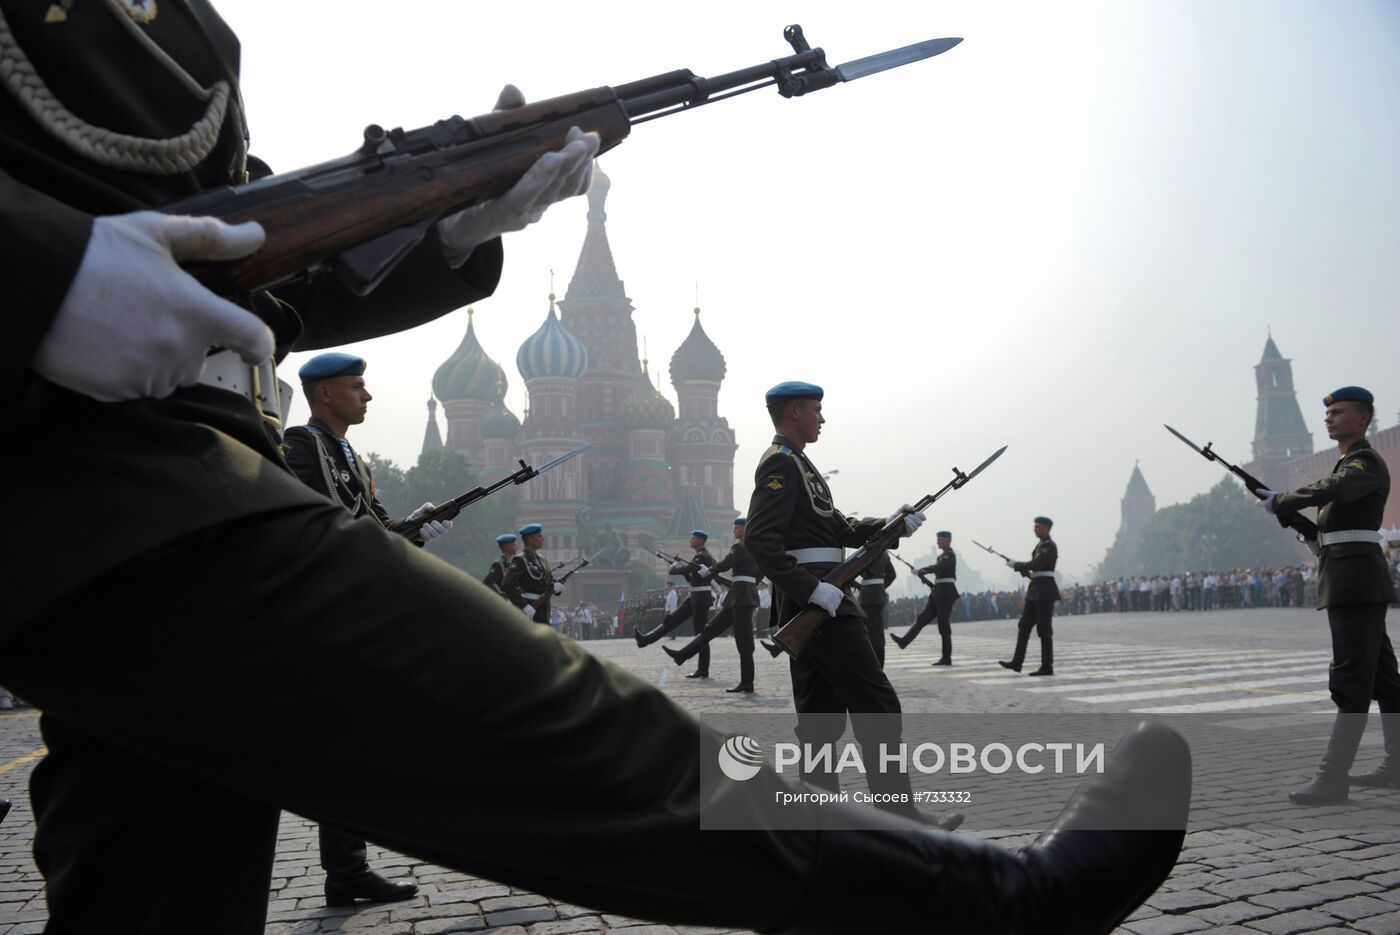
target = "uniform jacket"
x: 739, y: 562
x: 162, y: 469
x: 791, y: 508
x: 945, y: 566
x: 316, y: 456
x: 881, y: 570
x: 690, y: 571
x: 1351, y: 497
x: 496, y: 575
x: 1043, y: 558
x: 529, y: 580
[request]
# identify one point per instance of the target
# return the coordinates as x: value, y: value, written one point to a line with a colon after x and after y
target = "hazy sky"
x: 1075, y: 226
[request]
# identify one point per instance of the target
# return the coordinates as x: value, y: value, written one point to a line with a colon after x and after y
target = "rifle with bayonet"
x: 361, y: 214
x: 916, y: 571
x: 1007, y: 558
x: 1305, y: 528
x: 794, y: 635
x: 449, y: 510
x: 677, y: 560
x: 582, y: 564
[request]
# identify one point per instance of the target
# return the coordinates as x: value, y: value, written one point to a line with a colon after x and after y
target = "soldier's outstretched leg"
x: 673, y: 620
x: 718, y: 624
x: 168, y: 694
x: 928, y: 613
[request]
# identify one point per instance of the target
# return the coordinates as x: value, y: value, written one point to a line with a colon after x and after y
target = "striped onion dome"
x: 469, y: 373
x: 552, y: 351
x: 697, y: 358
x: 645, y: 408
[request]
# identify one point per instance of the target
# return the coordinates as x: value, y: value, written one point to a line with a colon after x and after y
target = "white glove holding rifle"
x: 561, y: 174
x: 1266, y: 499
x: 912, y: 520
x: 134, y: 324
x: 433, y: 528
x: 827, y: 597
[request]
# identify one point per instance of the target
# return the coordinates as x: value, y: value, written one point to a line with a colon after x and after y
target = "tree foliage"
x: 439, y: 476
x: 1217, y: 530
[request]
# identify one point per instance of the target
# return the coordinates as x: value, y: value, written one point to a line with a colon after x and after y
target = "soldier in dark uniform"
x: 1354, y: 587
x: 696, y: 607
x: 369, y: 651
x: 529, y: 581
x: 1041, y: 595
x: 940, y: 599
x: 796, y: 535
x: 321, y: 456
x: 496, y: 574
x: 736, y: 610
x: 873, y: 597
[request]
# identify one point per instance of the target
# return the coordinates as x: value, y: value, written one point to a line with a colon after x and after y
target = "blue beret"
x: 1045, y: 521
x: 1348, y: 394
x: 741, y: 521
x: 700, y: 532
x: 529, y: 529
x: 334, y: 364
x: 793, y: 389
x: 944, y: 534
x: 505, y: 538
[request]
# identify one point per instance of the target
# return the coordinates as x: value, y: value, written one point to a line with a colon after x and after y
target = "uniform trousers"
x: 741, y: 619
x: 1363, y: 661
x: 875, y: 629
x: 838, y: 677
x: 940, y: 609
x: 379, y: 711
x: 696, y: 609
x: 1036, y: 615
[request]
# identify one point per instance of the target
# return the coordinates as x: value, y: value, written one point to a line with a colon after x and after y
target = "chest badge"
x: 143, y: 11
x: 774, y: 484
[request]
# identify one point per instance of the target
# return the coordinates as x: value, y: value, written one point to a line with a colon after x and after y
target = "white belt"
x: 743, y: 579
x: 227, y: 371
x: 945, y: 580
x: 1352, y: 535
x: 871, y: 582
x: 818, y: 556
x: 705, y: 589
x: 1042, y: 574
x: 531, y: 597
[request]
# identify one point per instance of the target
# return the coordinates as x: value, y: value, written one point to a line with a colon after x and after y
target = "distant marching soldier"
x: 496, y: 574
x: 1354, y: 587
x: 696, y: 607
x: 1041, y: 595
x: 940, y: 600
x: 736, y: 610
x: 529, y: 583
x: 873, y: 597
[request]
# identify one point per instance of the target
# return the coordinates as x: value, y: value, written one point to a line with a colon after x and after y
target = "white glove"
x: 554, y: 176
x: 528, y: 611
x: 827, y: 597
x: 1011, y: 563
x: 1266, y: 499
x: 558, y: 588
x: 912, y: 520
x: 136, y: 325
x: 433, y: 528
x: 704, y: 571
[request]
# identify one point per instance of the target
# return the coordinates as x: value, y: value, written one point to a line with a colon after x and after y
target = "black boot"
x: 1043, y: 671
x: 774, y: 649
x: 698, y: 674
x: 1111, y: 847
x: 1330, y: 784
x: 343, y: 891
x: 1387, y: 775
x: 4, y: 808
x: 902, y: 644
x: 1013, y: 666
x: 945, y: 661
x: 640, y: 637
x: 676, y: 655
x: 741, y: 688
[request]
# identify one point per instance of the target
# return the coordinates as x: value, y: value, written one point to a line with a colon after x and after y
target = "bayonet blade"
x: 1194, y: 446
x: 894, y: 58
x: 565, y: 457
x: 981, y: 467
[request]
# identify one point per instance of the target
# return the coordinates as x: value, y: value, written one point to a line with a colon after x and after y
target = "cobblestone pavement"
x: 1252, y: 862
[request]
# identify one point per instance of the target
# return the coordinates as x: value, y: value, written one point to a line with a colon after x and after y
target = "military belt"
x: 1351, y: 535
x: 818, y: 556
x: 1042, y: 574
x: 531, y: 597
x: 699, y: 588
x: 743, y: 579
x: 259, y: 385
x: 872, y: 582
x: 945, y: 580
